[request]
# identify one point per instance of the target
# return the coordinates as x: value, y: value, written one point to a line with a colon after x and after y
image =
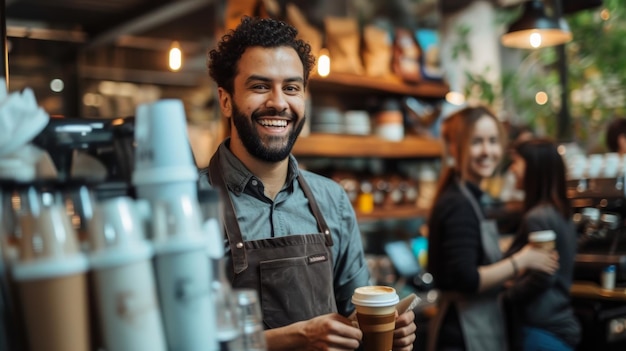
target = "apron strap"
x: 229, y: 217
x: 321, y: 223
x: 471, y: 199
x: 488, y: 229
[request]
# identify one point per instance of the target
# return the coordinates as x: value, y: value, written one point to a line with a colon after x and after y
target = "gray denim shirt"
x: 289, y: 214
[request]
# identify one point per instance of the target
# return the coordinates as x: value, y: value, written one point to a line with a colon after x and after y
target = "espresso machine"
x: 109, y: 143
x: 600, y: 209
x: 599, y: 302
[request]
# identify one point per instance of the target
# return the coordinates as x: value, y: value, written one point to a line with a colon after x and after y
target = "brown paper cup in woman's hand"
x: 543, y: 239
x: 376, y: 314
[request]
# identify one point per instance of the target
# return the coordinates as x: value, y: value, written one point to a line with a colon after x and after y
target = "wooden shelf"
x: 338, y: 82
x: 399, y: 212
x: 591, y: 290
x: 335, y: 145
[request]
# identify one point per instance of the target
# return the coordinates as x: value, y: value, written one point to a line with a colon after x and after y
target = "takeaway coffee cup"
x: 376, y: 314
x: 51, y: 279
x: 543, y: 239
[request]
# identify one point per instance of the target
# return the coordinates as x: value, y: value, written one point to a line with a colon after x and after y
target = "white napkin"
x: 21, y: 119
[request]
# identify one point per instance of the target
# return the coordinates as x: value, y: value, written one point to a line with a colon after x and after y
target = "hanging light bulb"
x: 535, y: 29
x: 175, y: 57
x: 323, y: 63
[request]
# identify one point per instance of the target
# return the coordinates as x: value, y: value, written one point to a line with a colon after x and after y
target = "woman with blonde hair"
x: 464, y: 254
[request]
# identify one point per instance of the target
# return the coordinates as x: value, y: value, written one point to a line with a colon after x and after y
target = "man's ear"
x: 226, y: 103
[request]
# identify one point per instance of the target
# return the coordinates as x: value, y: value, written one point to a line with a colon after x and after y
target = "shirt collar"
x: 237, y: 175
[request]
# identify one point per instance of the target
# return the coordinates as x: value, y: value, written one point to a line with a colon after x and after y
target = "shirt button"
x: 255, y: 182
x: 239, y: 245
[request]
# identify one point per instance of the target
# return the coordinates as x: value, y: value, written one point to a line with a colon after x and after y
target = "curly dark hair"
x: 253, y: 31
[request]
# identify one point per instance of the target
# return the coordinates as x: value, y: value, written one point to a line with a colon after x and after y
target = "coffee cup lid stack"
x: 164, y: 164
x: 177, y: 226
x: 117, y: 234
x: 50, y: 248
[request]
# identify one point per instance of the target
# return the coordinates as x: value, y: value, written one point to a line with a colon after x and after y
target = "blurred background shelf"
x: 335, y: 145
x: 397, y: 212
x: 341, y: 82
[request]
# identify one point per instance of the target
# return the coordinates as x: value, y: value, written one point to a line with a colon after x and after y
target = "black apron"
x: 480, y: 315
x: 293, y: 274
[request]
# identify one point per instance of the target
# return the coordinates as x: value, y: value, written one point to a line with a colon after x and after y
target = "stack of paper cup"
x: 51, y: 279
x: 164, y: 165
x: 125, y: 287
x: 184, y: 275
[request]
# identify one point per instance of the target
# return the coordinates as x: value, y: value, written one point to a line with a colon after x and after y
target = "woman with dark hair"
x: 464, y: 254
x: 540, y: 301
x: 616, y: 136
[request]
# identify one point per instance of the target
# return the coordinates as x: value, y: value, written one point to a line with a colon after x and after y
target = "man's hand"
x: 404, y: 334
x: 329, y: 332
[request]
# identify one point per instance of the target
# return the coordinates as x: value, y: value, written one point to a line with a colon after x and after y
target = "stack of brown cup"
x: 51, y: 279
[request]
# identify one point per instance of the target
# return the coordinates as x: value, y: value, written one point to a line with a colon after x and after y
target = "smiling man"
x: 291, y: 234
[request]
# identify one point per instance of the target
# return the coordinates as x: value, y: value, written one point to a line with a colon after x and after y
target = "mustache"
x: 272, y: 112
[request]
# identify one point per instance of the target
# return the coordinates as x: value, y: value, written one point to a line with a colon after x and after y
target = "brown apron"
x: 293, y: 274
x: 480, y: 315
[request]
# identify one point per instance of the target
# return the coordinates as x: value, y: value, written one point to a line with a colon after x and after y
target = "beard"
x: 269, y: 148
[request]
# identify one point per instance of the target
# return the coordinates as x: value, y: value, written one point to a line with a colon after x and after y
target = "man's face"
x: 267, y: 106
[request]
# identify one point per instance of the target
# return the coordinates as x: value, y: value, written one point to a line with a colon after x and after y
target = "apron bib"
x: 292, y: 274
x: 480, y: 315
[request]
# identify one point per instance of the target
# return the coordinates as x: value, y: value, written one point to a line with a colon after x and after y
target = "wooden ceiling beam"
x: 164, y: 14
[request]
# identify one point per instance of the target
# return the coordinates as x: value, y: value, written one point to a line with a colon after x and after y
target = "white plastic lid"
x: 50, y: 268
x: 375, y: 296
x: 164, y: 175
x: 180, y: 243
x: 542, y: 235
x: 119, y: 256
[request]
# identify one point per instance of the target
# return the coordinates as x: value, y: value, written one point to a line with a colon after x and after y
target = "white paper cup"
x: 125, y: 287
x: 117, y: 224
x: 611, y: 165
x: 163, y: 154
x: 128, y: 307
x: 183, y: 281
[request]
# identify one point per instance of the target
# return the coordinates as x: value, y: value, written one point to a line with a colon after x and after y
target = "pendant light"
x: 175, y: 56
x: 535, y: 29
x: 323, y: 63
